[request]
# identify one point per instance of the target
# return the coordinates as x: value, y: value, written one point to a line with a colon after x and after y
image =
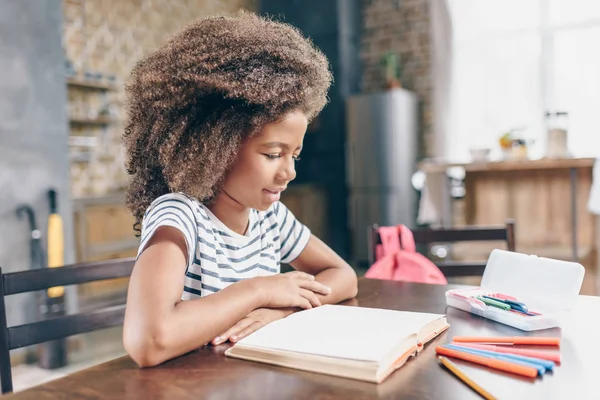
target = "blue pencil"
x: 541, y: 369
x: 547, y: 364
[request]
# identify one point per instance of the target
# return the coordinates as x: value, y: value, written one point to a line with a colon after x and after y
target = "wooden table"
x: 208, y: 374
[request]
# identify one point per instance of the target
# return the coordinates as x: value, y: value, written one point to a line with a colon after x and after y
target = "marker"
x: 503, y: 296
x: 494, y: 303
x: 515, y: 305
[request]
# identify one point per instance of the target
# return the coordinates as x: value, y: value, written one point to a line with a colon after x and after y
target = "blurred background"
x: 444, y: 113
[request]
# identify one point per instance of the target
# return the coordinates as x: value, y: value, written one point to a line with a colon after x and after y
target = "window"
x: 515, y: 59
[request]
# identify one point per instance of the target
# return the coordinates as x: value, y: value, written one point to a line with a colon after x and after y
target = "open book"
x: 354, y: 342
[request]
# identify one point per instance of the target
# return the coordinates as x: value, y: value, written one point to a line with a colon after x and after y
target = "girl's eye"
x: 272, y: 156
x: 279, y: 155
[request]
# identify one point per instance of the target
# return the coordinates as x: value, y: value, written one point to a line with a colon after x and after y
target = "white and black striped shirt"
x: 217, y: 256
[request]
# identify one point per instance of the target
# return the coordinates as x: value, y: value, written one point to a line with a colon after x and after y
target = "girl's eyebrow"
x: 284, y: 146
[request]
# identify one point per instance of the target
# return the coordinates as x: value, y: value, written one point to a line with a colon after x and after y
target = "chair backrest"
x: 15, y: 337
x: 450, y: 235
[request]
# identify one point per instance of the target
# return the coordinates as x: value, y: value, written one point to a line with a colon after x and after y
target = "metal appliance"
x: 382, y: 148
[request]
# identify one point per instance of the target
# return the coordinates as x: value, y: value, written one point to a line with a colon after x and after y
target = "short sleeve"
x: 174, y: 210
x: 293, y: 235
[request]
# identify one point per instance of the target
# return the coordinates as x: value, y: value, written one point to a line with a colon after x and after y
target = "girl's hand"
x: 252, y: 322
x: 293, y: 289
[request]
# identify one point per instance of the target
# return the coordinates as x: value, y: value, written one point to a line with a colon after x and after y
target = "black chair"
x: 15, y: 337
x: 462, y: 234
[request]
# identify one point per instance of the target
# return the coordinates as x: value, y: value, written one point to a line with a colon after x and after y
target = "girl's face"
x: 265, y: 163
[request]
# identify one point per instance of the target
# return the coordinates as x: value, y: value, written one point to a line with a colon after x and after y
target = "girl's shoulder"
x: 176, y: 196
x: 178, y: 200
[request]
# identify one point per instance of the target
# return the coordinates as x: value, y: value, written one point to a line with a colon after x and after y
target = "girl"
x: 216, y: 122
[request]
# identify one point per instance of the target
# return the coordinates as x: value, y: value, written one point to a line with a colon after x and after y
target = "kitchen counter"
x: 547, y: 198
x: 433, y: 166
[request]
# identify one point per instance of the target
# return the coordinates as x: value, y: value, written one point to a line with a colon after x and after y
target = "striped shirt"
x: 218, y: 256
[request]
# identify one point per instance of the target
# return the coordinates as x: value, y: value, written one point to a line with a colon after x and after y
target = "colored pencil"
x: 554, y: 356
x: 463, y: 377
x: 501, y: 365
x: 529, y: 340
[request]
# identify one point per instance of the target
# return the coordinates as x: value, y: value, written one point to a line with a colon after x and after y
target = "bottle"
x: 557, y: 143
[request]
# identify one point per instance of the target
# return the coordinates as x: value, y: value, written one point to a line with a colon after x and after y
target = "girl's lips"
x: 273, y: 196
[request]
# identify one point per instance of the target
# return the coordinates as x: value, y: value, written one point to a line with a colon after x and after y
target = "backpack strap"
x: 390, y: 241
x: 407, y: 238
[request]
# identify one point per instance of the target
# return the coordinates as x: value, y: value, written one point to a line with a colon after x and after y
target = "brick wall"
x: 401, y: 26
x: 108, y: 37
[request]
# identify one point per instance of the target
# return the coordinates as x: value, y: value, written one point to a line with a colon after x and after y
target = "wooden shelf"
x: 85, y: 84
x: 80, y: 156
x: 510, y: 165
x: 83, y: 141
x: 100, y: 121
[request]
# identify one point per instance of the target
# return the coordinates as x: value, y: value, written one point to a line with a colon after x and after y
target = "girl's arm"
x: 159, y: 326
x: 329, y: 268
x: 316, y: 259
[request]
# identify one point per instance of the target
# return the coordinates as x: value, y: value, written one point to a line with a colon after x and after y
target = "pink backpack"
x: 402, y: 262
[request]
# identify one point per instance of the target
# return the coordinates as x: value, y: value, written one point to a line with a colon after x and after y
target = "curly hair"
x: 193, y: 102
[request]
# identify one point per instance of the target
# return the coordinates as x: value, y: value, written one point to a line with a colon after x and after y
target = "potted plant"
x: 392, y: 70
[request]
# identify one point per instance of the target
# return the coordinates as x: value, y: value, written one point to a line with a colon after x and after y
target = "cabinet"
x: 308, y: 204
x: 103, y: 231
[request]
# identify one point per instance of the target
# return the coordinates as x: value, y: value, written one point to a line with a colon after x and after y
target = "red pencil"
x: 529, y: 340
x: 515, y: 350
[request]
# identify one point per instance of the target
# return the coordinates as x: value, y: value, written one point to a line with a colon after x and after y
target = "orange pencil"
x: 501, y: 365
x: 511, y: 350
x: 529, y: 340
